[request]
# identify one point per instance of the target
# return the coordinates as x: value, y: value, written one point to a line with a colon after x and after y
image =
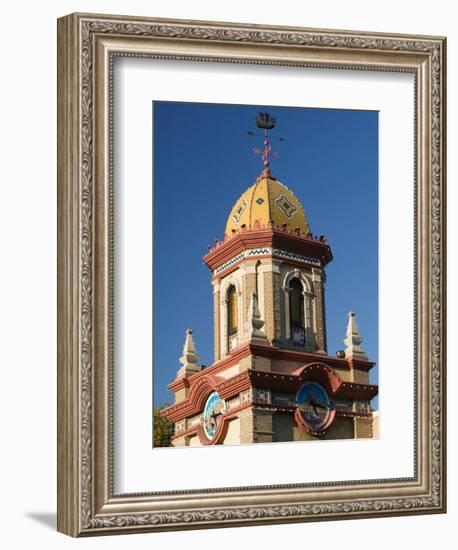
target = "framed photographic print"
x: 271, y: 378
x: 251, y: 274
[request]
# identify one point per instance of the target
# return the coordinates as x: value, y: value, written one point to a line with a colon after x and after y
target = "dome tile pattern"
x: 267, y: 201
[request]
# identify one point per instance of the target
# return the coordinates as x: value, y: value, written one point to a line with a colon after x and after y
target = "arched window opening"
x: 232, y: 317
x: 232, y: 309
x: 296, y: 312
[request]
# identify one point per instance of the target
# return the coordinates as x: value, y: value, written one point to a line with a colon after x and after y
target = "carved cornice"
x: 86, y: 261
x: 306, y: 357
x: 268, y: 238
x: 270, y: 351
x: 351, y: 390
x: 222, y: 428
x: 262, y: 514
x: 232, y: 33
x: 199, y: 391
x: 281, y: 381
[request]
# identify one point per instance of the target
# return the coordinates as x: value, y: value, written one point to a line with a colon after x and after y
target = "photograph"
x: 270, y: 332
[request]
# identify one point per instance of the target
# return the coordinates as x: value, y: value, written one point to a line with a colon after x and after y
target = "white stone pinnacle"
x: 189, y: 358
x: 353, y: 339
x: 255, y: 323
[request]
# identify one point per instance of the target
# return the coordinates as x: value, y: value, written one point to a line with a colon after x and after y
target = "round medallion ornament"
x: 314, y: 405
x: 214, y: 408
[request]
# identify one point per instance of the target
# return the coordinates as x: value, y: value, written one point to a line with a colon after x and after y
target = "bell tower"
x: 269, y: 250
x: 272, y: 378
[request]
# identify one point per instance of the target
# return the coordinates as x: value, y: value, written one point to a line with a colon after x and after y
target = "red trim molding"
x: 272, y: 352
x: 195, y: 401
x: 268, y: 237
x: 227, y: 388
x: 220, y: 434
x: 200, y: 391
x: 221, y: 431
x: 233, y: 267
x: 305, y: 357
x: 360, y: 364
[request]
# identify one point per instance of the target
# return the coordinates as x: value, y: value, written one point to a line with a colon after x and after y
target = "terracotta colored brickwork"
x: 320, y: 337
x: 262, y: 363
x: 246, y: 363
x: 342, y: 428
x: 360, y: 376
x: 181, y: 395
x: 277, y: 305
x: 363, y: 427
x: 179, y: 441
x: 283, y: 426
x: 345, y: 374
x: 246, y: 426
x: 269, y: 308
x: 249, y: 287
x: 262, y: 425
x: 216, y: 325
x: 323, y: 311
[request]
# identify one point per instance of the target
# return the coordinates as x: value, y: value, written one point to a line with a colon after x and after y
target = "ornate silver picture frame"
x: 88, y: 44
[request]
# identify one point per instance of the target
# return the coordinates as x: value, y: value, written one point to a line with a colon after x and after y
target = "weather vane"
x: 265, y: 122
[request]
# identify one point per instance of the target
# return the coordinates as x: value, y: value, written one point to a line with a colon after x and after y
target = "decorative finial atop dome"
x: 267, y: 203
x: 266, y: 122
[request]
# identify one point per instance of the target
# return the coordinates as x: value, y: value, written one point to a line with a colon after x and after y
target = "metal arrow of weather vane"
x: 266, y: 122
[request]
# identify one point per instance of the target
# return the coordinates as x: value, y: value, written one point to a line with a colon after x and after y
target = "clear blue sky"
x: 202, y: 163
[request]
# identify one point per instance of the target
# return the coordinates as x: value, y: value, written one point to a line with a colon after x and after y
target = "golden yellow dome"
x: 267, y: 201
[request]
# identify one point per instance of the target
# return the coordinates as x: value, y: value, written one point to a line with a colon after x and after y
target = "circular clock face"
x: 314, y: 405
x: 213, y: 409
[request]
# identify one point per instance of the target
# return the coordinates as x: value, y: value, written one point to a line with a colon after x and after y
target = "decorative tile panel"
x: 233, y: 403
x: 253, y: 252
x: 343, y: 404
x: 258, y: 251
x: 229, y: 263
x: 362, y: 406
x: 261, y: 396
x: 286, y: 206
x: 283, y: 398
x: 194, y: 421
x: 238, y: 210
x: 180, y: 426
x: 245, y: 397
x: 293, y: 256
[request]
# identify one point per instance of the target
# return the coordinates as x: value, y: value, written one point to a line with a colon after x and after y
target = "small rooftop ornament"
x: 353, y: 339
x: 255, y: 322
x: 189, y: 358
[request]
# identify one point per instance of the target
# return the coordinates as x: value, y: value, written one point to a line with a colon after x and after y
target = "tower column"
x: 256, y: 426
x: 318, y: 311
x: 235, y: 280
x: 248, y: 272
x: 308, y: 325
x: 263, y: 425
x: 286, y: 325
x: 270, y: 280
x: 216, y: 320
